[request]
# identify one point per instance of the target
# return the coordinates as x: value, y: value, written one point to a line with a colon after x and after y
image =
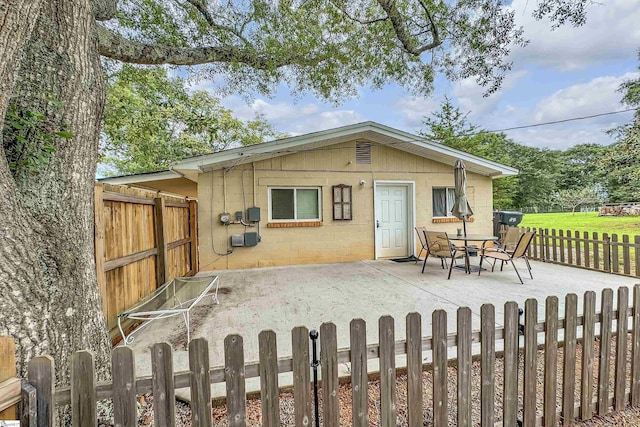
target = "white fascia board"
x: 216, y: 160
x: 147, y: 177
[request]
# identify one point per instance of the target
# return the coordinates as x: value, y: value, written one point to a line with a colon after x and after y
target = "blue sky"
x: 561, y: 74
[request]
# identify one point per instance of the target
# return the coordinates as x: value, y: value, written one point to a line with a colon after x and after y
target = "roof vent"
x: 363, y: 153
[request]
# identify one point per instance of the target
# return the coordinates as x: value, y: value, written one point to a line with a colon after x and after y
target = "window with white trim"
x: 443, y: 200
x: 295, y: 204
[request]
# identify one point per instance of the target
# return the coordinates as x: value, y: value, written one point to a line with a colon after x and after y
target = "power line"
x: 557, y: 121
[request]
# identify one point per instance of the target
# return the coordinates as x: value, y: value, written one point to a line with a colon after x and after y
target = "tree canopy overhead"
x: 327, y: 47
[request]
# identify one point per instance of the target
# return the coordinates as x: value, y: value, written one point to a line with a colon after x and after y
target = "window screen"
x: 289, y: 204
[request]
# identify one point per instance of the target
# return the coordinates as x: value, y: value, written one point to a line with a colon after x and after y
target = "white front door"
x: 391, y: 221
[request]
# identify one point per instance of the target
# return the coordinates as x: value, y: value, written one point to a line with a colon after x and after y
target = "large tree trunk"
x: 49, y: 299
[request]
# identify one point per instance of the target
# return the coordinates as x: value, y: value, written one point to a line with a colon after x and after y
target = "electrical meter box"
x: 251, y: 238
x: 253, y: 214
x: 237, y: 240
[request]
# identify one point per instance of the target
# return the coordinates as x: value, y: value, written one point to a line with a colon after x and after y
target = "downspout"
x: 253, y: 165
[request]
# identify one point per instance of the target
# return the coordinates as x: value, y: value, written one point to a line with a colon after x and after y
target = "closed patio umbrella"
x: 461, y: 208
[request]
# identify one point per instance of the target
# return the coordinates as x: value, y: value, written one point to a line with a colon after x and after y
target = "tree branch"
x: 103, y: 10
x: 202, y: 8
x: 115, y: 46
x: 403, y: 36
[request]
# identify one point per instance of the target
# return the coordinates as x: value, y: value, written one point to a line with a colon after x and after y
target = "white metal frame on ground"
x: 183, y: 307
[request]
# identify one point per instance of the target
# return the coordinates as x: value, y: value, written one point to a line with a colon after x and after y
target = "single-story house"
x: 346, y: 194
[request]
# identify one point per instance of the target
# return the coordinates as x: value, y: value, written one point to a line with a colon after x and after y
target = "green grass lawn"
x: 584, y: 221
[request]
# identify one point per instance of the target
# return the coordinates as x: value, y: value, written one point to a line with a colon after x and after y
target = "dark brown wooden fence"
x: 581, y: 391
x: 611, y: 253
x: 142, y: 240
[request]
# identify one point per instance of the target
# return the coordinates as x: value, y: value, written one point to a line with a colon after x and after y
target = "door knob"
x: 377, y: 224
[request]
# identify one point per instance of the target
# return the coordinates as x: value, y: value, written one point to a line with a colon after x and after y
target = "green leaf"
x: 64, y: 134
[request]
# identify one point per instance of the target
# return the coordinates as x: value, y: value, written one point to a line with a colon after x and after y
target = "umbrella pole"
x: 464, y: 226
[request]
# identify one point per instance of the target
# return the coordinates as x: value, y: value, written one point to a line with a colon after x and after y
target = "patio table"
x: 472, y: 238
x: 176, y: 297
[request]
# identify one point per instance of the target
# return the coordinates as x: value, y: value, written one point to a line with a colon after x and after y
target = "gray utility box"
x: 507, y: 218
x: 237, y: 240
x: 253, y: 214
x: 251, y: 238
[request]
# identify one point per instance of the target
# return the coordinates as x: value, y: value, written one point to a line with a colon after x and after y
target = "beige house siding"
x: 333, y: 241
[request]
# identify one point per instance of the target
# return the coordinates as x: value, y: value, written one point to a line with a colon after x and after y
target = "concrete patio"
x: 283, y: 297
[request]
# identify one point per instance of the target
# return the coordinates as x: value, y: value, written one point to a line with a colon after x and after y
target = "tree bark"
x: 49, y: 299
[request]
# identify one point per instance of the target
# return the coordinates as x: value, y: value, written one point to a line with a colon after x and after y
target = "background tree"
x: 152, y: 121
x: 622, y: 164
x: 576, y: 197
x: 580, y: 167
x: 50, y: 66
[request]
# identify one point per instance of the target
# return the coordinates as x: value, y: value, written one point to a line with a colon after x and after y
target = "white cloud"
x: 610, y: 33
x: 293, y: 118
x: 414, y: 109
x: 471, y: 97
x: 594, y: 97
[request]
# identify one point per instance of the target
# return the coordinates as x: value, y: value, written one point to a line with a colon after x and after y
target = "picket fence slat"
x: 615, y: 253
x: 464, y: 366
x: 588, y: 337
x: 569, y: 368
x: 28, y: 405
x: 550, y: 360
x: 301, y: 376
x: 511, y: 353
x: 487, y: 364
x: 235, y: 381
x: 359, y: 377
x: 626, y: 258
x: 561, y: 233
x: 578, y: 249
x: 587, y: 251
x: 530, y: 362
x: 330, y: 385
x: 606, y: 252
x: 605, y: 351
x: 386, y: 331
x: 164, y: 408
x: 41, y: 374
x: 621, y: 350
x: 596, y: 251
x: 635, y: 349
x: 569, y: 247
x: 125, y: 411
x: 439, y: 330
x: 269, y: 391
x: 414, y: 371
x: 200, y: 383
x: 83, y: 389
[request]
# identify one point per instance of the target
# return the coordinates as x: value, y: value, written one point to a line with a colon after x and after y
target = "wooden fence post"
x: 193, y: 233
x: 388, y: 400
x: 162, y: 267
x: 269, y: 392
x: 330, y: 385
x: 550, y: 360
x: 125, y: 413
x: 487, y: 364
x: 569, y: 370
x: 41, y: 375
x: 28, y: 406
x: 414, y: 370
x: 606, y: 308
x: 7, y: 371
x: 83, y: 389
x: 234, y: 378
x: 619, y: 401
x: 511, y: 353
x: 606, y: 252
x: 200, y: 383
x: 530, y: 362
x: 439, y: 346
x: 359, y: 376
x: 164, y: 408
x: 464, y: 366
x: 588, y: 337
x: 301, y: 376
x: 635, y: 349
